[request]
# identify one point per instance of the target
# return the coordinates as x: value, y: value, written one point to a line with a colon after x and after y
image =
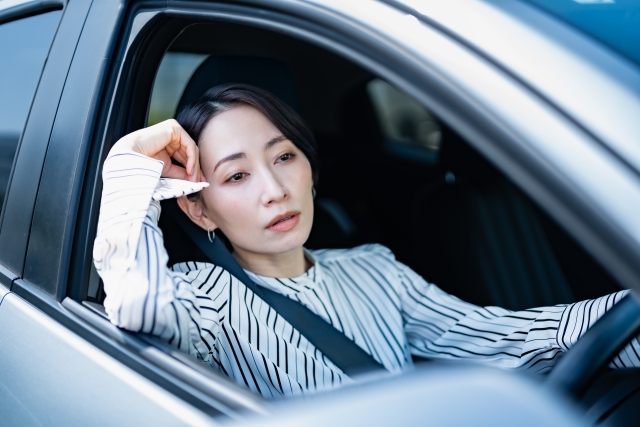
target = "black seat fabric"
x: 265, y: 73
x: 470, y: 232
x: 487, y: 245
x: 483, y: 240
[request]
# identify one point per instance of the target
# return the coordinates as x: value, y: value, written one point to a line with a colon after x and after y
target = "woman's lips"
x: 286, y: 223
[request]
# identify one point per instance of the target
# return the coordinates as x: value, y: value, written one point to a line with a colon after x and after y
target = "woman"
x: 249, y: 169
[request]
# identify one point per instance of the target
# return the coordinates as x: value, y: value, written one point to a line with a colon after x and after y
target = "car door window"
x: 173, y: 74
x: 24, y: 45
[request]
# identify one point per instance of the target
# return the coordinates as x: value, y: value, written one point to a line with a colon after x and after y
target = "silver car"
x: 513, y: 124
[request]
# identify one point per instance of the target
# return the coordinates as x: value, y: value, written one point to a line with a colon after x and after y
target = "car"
x: 492, y: 145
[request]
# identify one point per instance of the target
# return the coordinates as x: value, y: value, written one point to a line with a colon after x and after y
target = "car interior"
x: 391, y: 172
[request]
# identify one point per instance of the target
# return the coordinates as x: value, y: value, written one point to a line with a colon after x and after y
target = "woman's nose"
x: 273, y: 190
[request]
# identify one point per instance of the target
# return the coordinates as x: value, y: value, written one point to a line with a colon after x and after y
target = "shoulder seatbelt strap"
x: 342, y: 351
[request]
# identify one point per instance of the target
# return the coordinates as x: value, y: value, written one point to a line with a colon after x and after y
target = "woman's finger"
x: 191, y: 149
x: 197, y: 171
x: 180, y: 157
x: 183, y: 149
x: 176, y: 172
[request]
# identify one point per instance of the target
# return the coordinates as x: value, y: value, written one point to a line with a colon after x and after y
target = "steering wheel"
x: 597, y: 347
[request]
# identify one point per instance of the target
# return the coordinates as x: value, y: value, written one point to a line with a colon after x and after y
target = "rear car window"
x: 24, y: 45
x: 405, y: 124
x: 172, y: 77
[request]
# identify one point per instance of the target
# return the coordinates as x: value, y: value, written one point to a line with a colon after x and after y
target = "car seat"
x: 482, y: 238
x: 331, y: 229
x: 266, y: 73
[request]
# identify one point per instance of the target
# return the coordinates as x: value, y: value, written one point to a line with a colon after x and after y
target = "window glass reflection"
x: 24, y: 45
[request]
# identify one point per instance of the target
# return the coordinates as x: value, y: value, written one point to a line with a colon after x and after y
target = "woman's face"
x: 260, y: 183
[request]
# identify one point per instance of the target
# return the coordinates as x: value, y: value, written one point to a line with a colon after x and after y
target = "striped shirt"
x: 381, y: 304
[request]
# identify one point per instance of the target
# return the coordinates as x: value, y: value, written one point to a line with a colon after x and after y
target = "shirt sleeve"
x: 440, y: 325
x: 142, y: 293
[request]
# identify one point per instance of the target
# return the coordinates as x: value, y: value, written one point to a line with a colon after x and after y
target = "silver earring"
x: 313, y: 192
x: 209, y: 234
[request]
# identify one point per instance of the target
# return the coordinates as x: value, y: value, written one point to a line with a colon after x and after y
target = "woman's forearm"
x: 143, y: 295
x: 440, y: 325
x: 129, y: 180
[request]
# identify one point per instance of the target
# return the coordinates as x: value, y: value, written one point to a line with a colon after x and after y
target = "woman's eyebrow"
x: 237, y: 156
x: 274, y: 141
x: 229, y: 158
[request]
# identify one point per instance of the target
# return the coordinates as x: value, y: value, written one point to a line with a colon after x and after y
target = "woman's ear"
x: 194, y: 210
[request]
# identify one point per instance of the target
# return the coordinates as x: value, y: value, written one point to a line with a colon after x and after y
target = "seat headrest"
x: 265, y: 73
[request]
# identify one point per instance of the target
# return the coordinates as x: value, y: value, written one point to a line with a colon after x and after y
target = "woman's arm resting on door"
x: 143, y: 295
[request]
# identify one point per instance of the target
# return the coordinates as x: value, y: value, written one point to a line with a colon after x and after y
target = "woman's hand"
x: 163, y: 141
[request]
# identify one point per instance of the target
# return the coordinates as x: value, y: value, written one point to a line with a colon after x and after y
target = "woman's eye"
x: 286, y: 157
x: 236, y: 177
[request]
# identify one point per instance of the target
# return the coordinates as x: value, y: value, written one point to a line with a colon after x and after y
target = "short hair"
x: 195, y: 116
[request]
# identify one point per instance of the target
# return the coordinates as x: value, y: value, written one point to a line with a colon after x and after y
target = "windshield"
x: 616, y: 23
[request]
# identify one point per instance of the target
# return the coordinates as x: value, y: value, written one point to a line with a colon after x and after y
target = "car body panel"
x: 443, y: 395
x: 54, y: 377
x: 9, y: 4
x: 3, y: 291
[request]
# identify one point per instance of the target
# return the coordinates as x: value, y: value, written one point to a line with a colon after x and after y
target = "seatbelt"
x: 335, y: 345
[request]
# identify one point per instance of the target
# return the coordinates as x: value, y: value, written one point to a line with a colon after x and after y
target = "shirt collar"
x: 290, y: 286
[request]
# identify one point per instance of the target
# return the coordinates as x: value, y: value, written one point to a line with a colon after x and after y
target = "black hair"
x: 195, y: 116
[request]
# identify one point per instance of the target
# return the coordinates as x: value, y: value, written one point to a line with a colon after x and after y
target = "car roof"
x: 7, y: 4
x: 616, y: 24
